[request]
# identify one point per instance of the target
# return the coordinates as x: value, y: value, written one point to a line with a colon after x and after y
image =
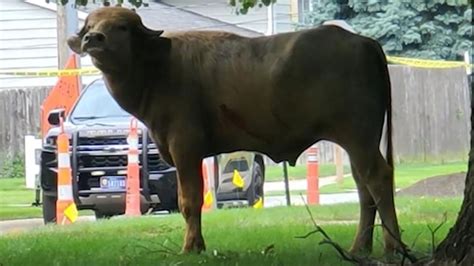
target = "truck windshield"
x: 96, y: 103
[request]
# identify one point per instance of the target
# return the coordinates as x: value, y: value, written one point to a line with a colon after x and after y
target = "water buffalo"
x: 203, y: 93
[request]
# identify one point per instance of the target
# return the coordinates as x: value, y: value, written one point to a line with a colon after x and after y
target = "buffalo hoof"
x: 360, y: 251
x: 194, y: 245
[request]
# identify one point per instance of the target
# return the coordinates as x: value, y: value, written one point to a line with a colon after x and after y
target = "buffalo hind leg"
x: 190, y: 198
x: 377, y: 176
x: 364, y: 238
x: 382, y: 190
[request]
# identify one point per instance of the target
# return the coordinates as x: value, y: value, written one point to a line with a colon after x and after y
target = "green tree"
x: 243, y: 6
x: 434, y: 29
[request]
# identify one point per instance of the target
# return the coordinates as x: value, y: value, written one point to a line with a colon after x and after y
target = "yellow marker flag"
x: 237, y: 179
x: 71, y: 212
x: 258, y: 204
x: 208, y: 199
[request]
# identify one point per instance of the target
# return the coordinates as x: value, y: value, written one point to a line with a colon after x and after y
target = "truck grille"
x: 101, y: 141
x: 155, y: 163
x: 86, y: 161
x: 109, y: 161
x: 104, y: 141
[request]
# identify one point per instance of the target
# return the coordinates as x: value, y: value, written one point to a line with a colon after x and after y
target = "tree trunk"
x: 458, y: 246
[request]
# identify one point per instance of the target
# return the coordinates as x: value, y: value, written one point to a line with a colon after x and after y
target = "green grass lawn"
x: 405, y: 175
x: 234, y: 237
x: 16, y: 200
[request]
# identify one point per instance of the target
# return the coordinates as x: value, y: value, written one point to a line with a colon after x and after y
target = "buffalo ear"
x: 149, y: 32
x: 153, y: 42
x: 74, y: 43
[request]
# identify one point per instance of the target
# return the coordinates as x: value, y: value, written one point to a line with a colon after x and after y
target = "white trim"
x: 132, y: 158
x: 65, y: 192
x: 312, y: 158
x: 63, y: 160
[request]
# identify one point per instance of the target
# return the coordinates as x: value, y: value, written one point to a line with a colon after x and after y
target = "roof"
x: 285, y: 13
x: 28, y: 36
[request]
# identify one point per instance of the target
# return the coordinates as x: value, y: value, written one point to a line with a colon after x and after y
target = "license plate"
x: 112, y: 182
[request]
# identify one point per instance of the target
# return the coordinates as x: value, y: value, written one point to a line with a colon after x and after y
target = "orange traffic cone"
x: 63, y: 95
x: 312, y: 176
x: 66, y: 211
x: 207, y: 193
x: 132, y: 205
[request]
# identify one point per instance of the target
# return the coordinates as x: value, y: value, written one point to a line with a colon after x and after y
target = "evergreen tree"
x: 432, y: 29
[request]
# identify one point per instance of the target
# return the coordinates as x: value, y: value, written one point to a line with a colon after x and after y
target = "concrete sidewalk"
x: 22, y: 225
x: 324, y: 199
x: 298, y: 184
x: 301, y: 185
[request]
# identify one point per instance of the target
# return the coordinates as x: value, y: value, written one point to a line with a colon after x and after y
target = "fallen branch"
x: 403, y: 250
x: 359, y: 260
x: 344, y: 254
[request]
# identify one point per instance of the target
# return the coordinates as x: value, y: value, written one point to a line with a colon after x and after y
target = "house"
x: 286, y: 13
x: 28, y: 40
x: 28, y: 37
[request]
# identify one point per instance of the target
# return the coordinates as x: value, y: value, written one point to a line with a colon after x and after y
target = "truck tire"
x: 49, y: 208
x: 255, y: 191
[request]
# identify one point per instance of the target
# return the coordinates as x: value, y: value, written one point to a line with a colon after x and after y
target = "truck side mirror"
x: 55, y: 115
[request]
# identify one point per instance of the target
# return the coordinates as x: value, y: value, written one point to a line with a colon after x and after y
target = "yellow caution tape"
x: 426, y: 63
x: 414, y: 62
x: 237, y: 179
x: 52, y: 72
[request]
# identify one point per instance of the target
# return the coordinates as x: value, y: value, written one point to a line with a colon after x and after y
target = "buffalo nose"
x: 94, y: 37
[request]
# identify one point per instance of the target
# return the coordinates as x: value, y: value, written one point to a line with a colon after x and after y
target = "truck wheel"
x: 255, y: 191
x: 49, y: 208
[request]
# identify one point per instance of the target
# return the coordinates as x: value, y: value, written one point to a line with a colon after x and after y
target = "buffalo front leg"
x: 190, y: 190
x: 190, y: 198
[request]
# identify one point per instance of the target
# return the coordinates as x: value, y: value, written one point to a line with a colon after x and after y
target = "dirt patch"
x: 437, y: 186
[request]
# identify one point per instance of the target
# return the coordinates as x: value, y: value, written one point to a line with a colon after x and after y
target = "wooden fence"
x: 431, y: 116
x: 19, y: 116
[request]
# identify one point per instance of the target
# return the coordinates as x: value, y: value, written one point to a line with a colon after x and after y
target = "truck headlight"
x: 50, y: 142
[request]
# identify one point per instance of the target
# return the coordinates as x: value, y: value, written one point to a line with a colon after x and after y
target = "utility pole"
x: 271, y: 23
x: 287, y: 183
x: 67, y: 23
x: 339, y: 164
